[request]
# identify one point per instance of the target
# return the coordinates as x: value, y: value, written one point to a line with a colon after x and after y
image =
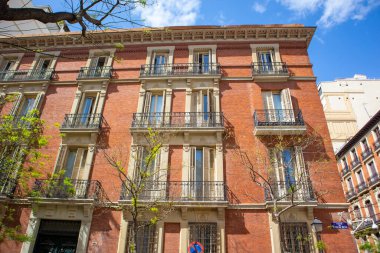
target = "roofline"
x: 359, y: 135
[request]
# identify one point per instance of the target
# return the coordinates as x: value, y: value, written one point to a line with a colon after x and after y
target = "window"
x: 57, y: 236
x: 24, y: 103
x: 159, y: 63
x: 8, y: 65
x: 365, y: 145
x: 98, y: 66
x: 266, y: 59
x: 285, y: 164
x: 370, y: 209
x: 359, y: 177
x: 376, y: 133
x: 344, y: 163
x: 73, y: 161
x: 146, y: 238
x: 154, y: 107
x: 206, y: 234
x: 27, y: 105
x: 357, y: 212
x: 350, y: 185
x: 87, y: 109
x: 202, y: 61
x: 202, y: 108
x: 295, y: 236
x: 372, y: 169
x: 278, y: 106
x: 354, y: 155
x: 201, y: 183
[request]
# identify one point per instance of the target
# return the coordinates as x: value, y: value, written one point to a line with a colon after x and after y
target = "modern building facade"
x: 216, y: 90
x: 358, y: 162
x: 348, y: 104
x: 11, y: 28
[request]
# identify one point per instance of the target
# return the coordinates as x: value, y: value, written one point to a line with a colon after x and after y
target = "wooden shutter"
x: 38, y: 102
x: 268, y: 100
x: 206, y: 164
x: 192, y: 164
x: 138, y: 162
x: 96, y: 102
x: 157, y: 166
x: 60, y: 158
x: 274, y: 173
x: 147, y: 101
x: 94, y: 62
x: 163, y: 101
x: 16, y: 104
x: 77, y: 163
x: 194, y: 101
x: 300, y: 162
x: 286, y: 101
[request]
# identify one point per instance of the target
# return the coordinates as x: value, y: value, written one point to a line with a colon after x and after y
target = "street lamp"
x: 317, y: 226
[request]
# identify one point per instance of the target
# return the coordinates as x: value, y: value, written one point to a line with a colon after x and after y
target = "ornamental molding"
x: 200, y: 34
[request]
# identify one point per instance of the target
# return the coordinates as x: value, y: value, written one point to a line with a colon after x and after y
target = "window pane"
x: 27, y: 106
x: 206, y: 234
x: 277, y: 101
x: 295, y: 237
x: 145, y: 238
x: 70, y: 163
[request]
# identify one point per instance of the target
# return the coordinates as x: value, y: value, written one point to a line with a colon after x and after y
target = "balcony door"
x: 202, y: 179
x: 41, y: 69
x: 202, y: 62
x: 26, y: 106
x: 202, y: 108
x: 278, y: 107
x: 159, y: 63
x: 266, y: 59
x: 97, y: 66
x: 154, y: 107
x: 86, y: 114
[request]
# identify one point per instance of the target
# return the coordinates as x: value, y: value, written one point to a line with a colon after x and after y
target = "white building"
x: 10, y: 28
x: 348, y: 104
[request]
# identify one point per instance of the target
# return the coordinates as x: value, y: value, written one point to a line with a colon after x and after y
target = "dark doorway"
x: 57, y: 236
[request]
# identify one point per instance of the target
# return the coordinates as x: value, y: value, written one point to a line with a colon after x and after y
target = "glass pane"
x: 70, y: 163
x: 288, y: 167
x: 199, y: 165
x: 205, y: 107
x: 27, y: 106
x: 159, y: 104
x: 87, y: 105
x: 277, y: 101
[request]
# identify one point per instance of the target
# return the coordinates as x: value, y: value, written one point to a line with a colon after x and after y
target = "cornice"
x: 163, y: 35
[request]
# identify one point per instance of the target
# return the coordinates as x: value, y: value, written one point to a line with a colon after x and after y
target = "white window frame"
x: 7, y: 57
x: 53, y: 56
x: 109, y: 53
x: 169, y: 50
x: 265, y: 47
x: 368, y: 168
x: 200, y: 48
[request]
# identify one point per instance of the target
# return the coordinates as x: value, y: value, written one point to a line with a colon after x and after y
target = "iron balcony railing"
x: 95, y: 72
x: 7, y: 185
x: 270, y: 68
x: 83, y: 121
x: 68, y: 189
x: 373, y: 180
x: 180, y: 69
x: 178, y: 120
x: 366, y: 153
x: 275, y: 117
x: 26, y: 75
x: 367, y: 223
x: 345, y: 170
x: 361, y: 187
x: 180, y: 191
x: 355, y: 163
x: 350, y: 194
x: 286, y: 190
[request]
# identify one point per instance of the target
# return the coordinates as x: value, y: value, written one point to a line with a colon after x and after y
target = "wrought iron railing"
x: 351, y: 193
x: 286, y: 190
x: 374, y: 179
x: 345, y: 170
x: 178, y: 191
x: 68, y: 189
x: 367, y: 222
x: 180, y: 69
x: 361, y: 187
x: 7, y: 185
x: 274, y: 117
x: 355, y: 163
x: 178, y: 120
x: 270, y: 68
x: 95, y: 72
x: 366, y: 153
x: 26, y: 75
x: 83, y: 121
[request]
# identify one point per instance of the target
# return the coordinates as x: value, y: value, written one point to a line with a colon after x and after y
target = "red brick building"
x: 253, y: 82
x: 358, y: 163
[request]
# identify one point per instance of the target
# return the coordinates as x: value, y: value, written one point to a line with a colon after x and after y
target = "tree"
x: 20, y: 160
x: 277, y: 166
x: 88, y: 14
x: 145, y: 187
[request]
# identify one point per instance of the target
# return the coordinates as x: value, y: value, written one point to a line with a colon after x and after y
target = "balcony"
x: 83, y: 122
x: 358, y: 226
x: 345, y: 171
x: 274, y: 71
x: 181, y: 191
x: 68, y: 189
x: 26, y: 75
x: 373, y: 180
x: 361, y: 187
x: 274, y: 122
x: 350, y: 194
x: 367, y: 153
x: 7, y: 186
x: 355, y: 163
x: 95, y: 73
x: 180, y: 70
x: 282, y: 191
x: 193, y: 121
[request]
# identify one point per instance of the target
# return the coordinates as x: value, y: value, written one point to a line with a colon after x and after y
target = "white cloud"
x: 259, y: 7
x: 169, y: 13
x: 302, y: 6
x: 339, y: 11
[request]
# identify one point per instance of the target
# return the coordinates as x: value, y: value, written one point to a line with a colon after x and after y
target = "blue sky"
x: 346, y: 42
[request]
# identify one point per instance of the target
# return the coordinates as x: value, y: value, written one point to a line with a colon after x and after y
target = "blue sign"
x: 339, y: 225
x: 195, y: 247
